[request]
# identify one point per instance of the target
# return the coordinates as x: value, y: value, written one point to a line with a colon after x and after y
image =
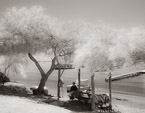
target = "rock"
x: 35, y: 92
x: 3, y: 78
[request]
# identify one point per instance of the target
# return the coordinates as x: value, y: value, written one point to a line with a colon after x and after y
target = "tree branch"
x: 67, y: 53
x: 62, y: 72
x: 55, y: 55
x: 6, y: 68
x: 52, y: 67
x: 37, y: 64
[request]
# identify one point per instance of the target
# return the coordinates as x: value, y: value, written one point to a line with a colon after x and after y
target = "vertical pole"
x: 79, y: 78
x: 58, y: 84
x: 110, y: 94
x: 93, y: 92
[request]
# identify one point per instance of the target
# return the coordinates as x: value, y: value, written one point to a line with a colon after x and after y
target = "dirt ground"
x: 14, y: 104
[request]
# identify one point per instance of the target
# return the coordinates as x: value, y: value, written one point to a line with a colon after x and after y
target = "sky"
x: 120, y: 13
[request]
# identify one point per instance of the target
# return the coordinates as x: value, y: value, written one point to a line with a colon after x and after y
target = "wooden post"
x: 93, y: 92
x: 79, y: 78
x: 110, y: 94
x: 58, y: 84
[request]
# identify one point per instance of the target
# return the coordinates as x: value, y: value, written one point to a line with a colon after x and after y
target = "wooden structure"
x: 110, y: 93
x: 79, y: 78
x: 61, y: 68
x: 93, y: 92
x: 120, y: 77
x: 88, y: 95
x: 126, y: 75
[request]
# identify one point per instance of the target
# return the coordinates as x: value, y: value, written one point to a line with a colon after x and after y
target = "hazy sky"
x: 122, y: 13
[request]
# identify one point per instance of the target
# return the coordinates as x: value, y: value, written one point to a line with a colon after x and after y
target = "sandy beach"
x: 13, y: 104
x: 128, y: 103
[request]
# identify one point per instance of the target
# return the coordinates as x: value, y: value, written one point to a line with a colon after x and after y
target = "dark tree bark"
x: 44, y: 76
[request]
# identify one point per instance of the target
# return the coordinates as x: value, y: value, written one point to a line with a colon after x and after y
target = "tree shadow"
x: 77, y: 106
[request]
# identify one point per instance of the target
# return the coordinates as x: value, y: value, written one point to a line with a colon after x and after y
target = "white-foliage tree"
x: 93, y: 45
x: 30, y: 31
x: 103, y: 47
x: 15, y: 64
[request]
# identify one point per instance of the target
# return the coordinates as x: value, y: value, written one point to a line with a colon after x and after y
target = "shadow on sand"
x: 75, y: 106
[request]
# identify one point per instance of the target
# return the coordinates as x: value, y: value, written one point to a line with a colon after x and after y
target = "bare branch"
x: 67, y: 53
x: 62, y: 72
x: 52, y: 67
x: 37, y: 64
x: 6, y: 68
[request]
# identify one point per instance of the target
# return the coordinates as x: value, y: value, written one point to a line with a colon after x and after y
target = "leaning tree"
x: 30, y: 31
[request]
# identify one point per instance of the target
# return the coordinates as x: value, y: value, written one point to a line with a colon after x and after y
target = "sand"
x: 13, y: 104
x: 128, y: 103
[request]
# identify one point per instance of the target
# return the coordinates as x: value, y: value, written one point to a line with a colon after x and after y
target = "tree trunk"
x: 40, y: 89
x: 44, y: 76
x: 44, y: 79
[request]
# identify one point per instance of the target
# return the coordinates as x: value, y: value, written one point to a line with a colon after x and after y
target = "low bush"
x: 14, y: 89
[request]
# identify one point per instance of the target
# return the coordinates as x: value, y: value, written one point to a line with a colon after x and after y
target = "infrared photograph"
x: 72, y: 56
